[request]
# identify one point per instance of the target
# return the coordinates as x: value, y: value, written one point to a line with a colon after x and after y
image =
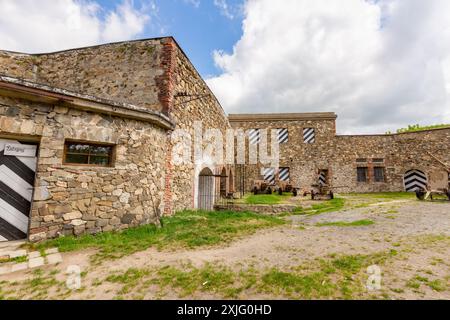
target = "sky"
x: 379, y: 64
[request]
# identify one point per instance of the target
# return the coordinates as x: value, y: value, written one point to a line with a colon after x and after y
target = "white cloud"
x: 48, y: 25
x: 195, y: 3
x: 378, y: 64
x: 224, y: 8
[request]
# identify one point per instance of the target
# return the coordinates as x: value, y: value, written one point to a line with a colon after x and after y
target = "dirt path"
x: 420, y: 229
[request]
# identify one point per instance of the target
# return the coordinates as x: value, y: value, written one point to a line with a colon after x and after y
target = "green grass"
x: 382, y: 195
x: 267, y: 198
x: 333, y: 205
x: 346, y: 224
x: 417, y: 127
x: 15, y: 260
x: 188, y: 229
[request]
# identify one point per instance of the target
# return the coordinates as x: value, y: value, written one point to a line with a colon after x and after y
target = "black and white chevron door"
x: 16, y: 188
x: 283, y: 136
x: 269, y: 175
x: 415, y: 180
x: 309, y: 135
x: 284, y: 174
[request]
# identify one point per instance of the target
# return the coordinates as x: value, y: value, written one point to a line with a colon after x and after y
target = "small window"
x: 254, y: 136
x: 309, y: 135
x: 283, y: 136
x: 361, y: 160
x: 378, y: 160
x: 362, y: 174
x: 378, y: 173
x: 88, y: 154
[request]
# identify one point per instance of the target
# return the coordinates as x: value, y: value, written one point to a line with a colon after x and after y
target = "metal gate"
x: 17, y: 173
x: 206, y: 190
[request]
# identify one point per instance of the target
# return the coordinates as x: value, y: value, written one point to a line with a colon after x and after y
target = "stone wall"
x: 401, y: 152
x: 339, y: 154
x: 78, y: 200
x: 200, y: 105
x: 126, y: 72
x: 303, y: 159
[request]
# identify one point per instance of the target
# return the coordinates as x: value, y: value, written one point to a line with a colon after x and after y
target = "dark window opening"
x: 88, y: 154
x: 362, y: 174
x: 379, y: 174
x: 378, y: 160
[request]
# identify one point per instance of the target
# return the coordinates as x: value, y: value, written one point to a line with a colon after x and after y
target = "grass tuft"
x: 346, y: 224
x: 188, y: 229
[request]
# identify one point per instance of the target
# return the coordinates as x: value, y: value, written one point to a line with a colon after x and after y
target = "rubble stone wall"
x: 341, y: 155
x: 78, y: 199
x: 126, y: 72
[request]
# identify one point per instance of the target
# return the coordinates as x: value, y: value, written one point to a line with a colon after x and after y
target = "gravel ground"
x: 419, y: 231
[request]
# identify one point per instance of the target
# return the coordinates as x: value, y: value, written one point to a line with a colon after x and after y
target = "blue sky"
x: 198, y: 29
x: 379, y: 64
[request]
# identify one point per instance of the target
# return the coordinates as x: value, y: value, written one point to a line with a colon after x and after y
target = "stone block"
x: 51, y: 251
x: 54, y: 258
x: 35, y: 254
x: 19, y: 267
x: 36, y: 262
x: 17, y: 254
x: 72, y: 215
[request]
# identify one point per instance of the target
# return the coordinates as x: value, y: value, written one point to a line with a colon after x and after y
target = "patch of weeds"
x: 333, y: 205
x: 346, y: 224
x: 209, y: 278
x: 130, y: 279
x: 413, y: 283
x: 437, y: 285
x: 21, y: 259
x: 267, y: 198
x: 397, y: 290
x: 188, y: 229
x: 314, y: 285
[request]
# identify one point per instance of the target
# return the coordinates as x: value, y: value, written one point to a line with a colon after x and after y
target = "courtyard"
x: 322, y: 250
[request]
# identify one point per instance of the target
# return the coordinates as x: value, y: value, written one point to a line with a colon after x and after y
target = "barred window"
x: 379, y: 174
x: 362, y: 174
x: 88, y: 154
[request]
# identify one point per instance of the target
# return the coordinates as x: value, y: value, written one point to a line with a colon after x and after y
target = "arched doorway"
x: 415, y: 180
x: 206, y: 190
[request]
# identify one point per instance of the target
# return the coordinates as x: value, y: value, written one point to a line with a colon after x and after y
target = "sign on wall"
x: 20, y: 150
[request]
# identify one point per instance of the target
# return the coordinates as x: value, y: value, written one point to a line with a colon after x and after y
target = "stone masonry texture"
x: 144, y: 181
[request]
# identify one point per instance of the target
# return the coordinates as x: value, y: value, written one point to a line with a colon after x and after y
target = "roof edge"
x: 282, y: 116
x: 85, y: 102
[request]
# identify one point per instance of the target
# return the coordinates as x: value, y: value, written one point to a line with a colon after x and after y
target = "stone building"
x: 86, y: 142
x: 311, y: 153
x: 90, y: 132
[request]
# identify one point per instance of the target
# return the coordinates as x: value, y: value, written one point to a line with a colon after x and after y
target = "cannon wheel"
x: 280, y: 191
x: 269, y: 190
x: 420, y: 195
x: 255, y: 190
x: 295, y: 193
x: 313, y: 195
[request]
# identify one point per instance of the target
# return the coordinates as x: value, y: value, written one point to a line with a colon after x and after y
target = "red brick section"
x: 166, y: 86
x: 166, y: 81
